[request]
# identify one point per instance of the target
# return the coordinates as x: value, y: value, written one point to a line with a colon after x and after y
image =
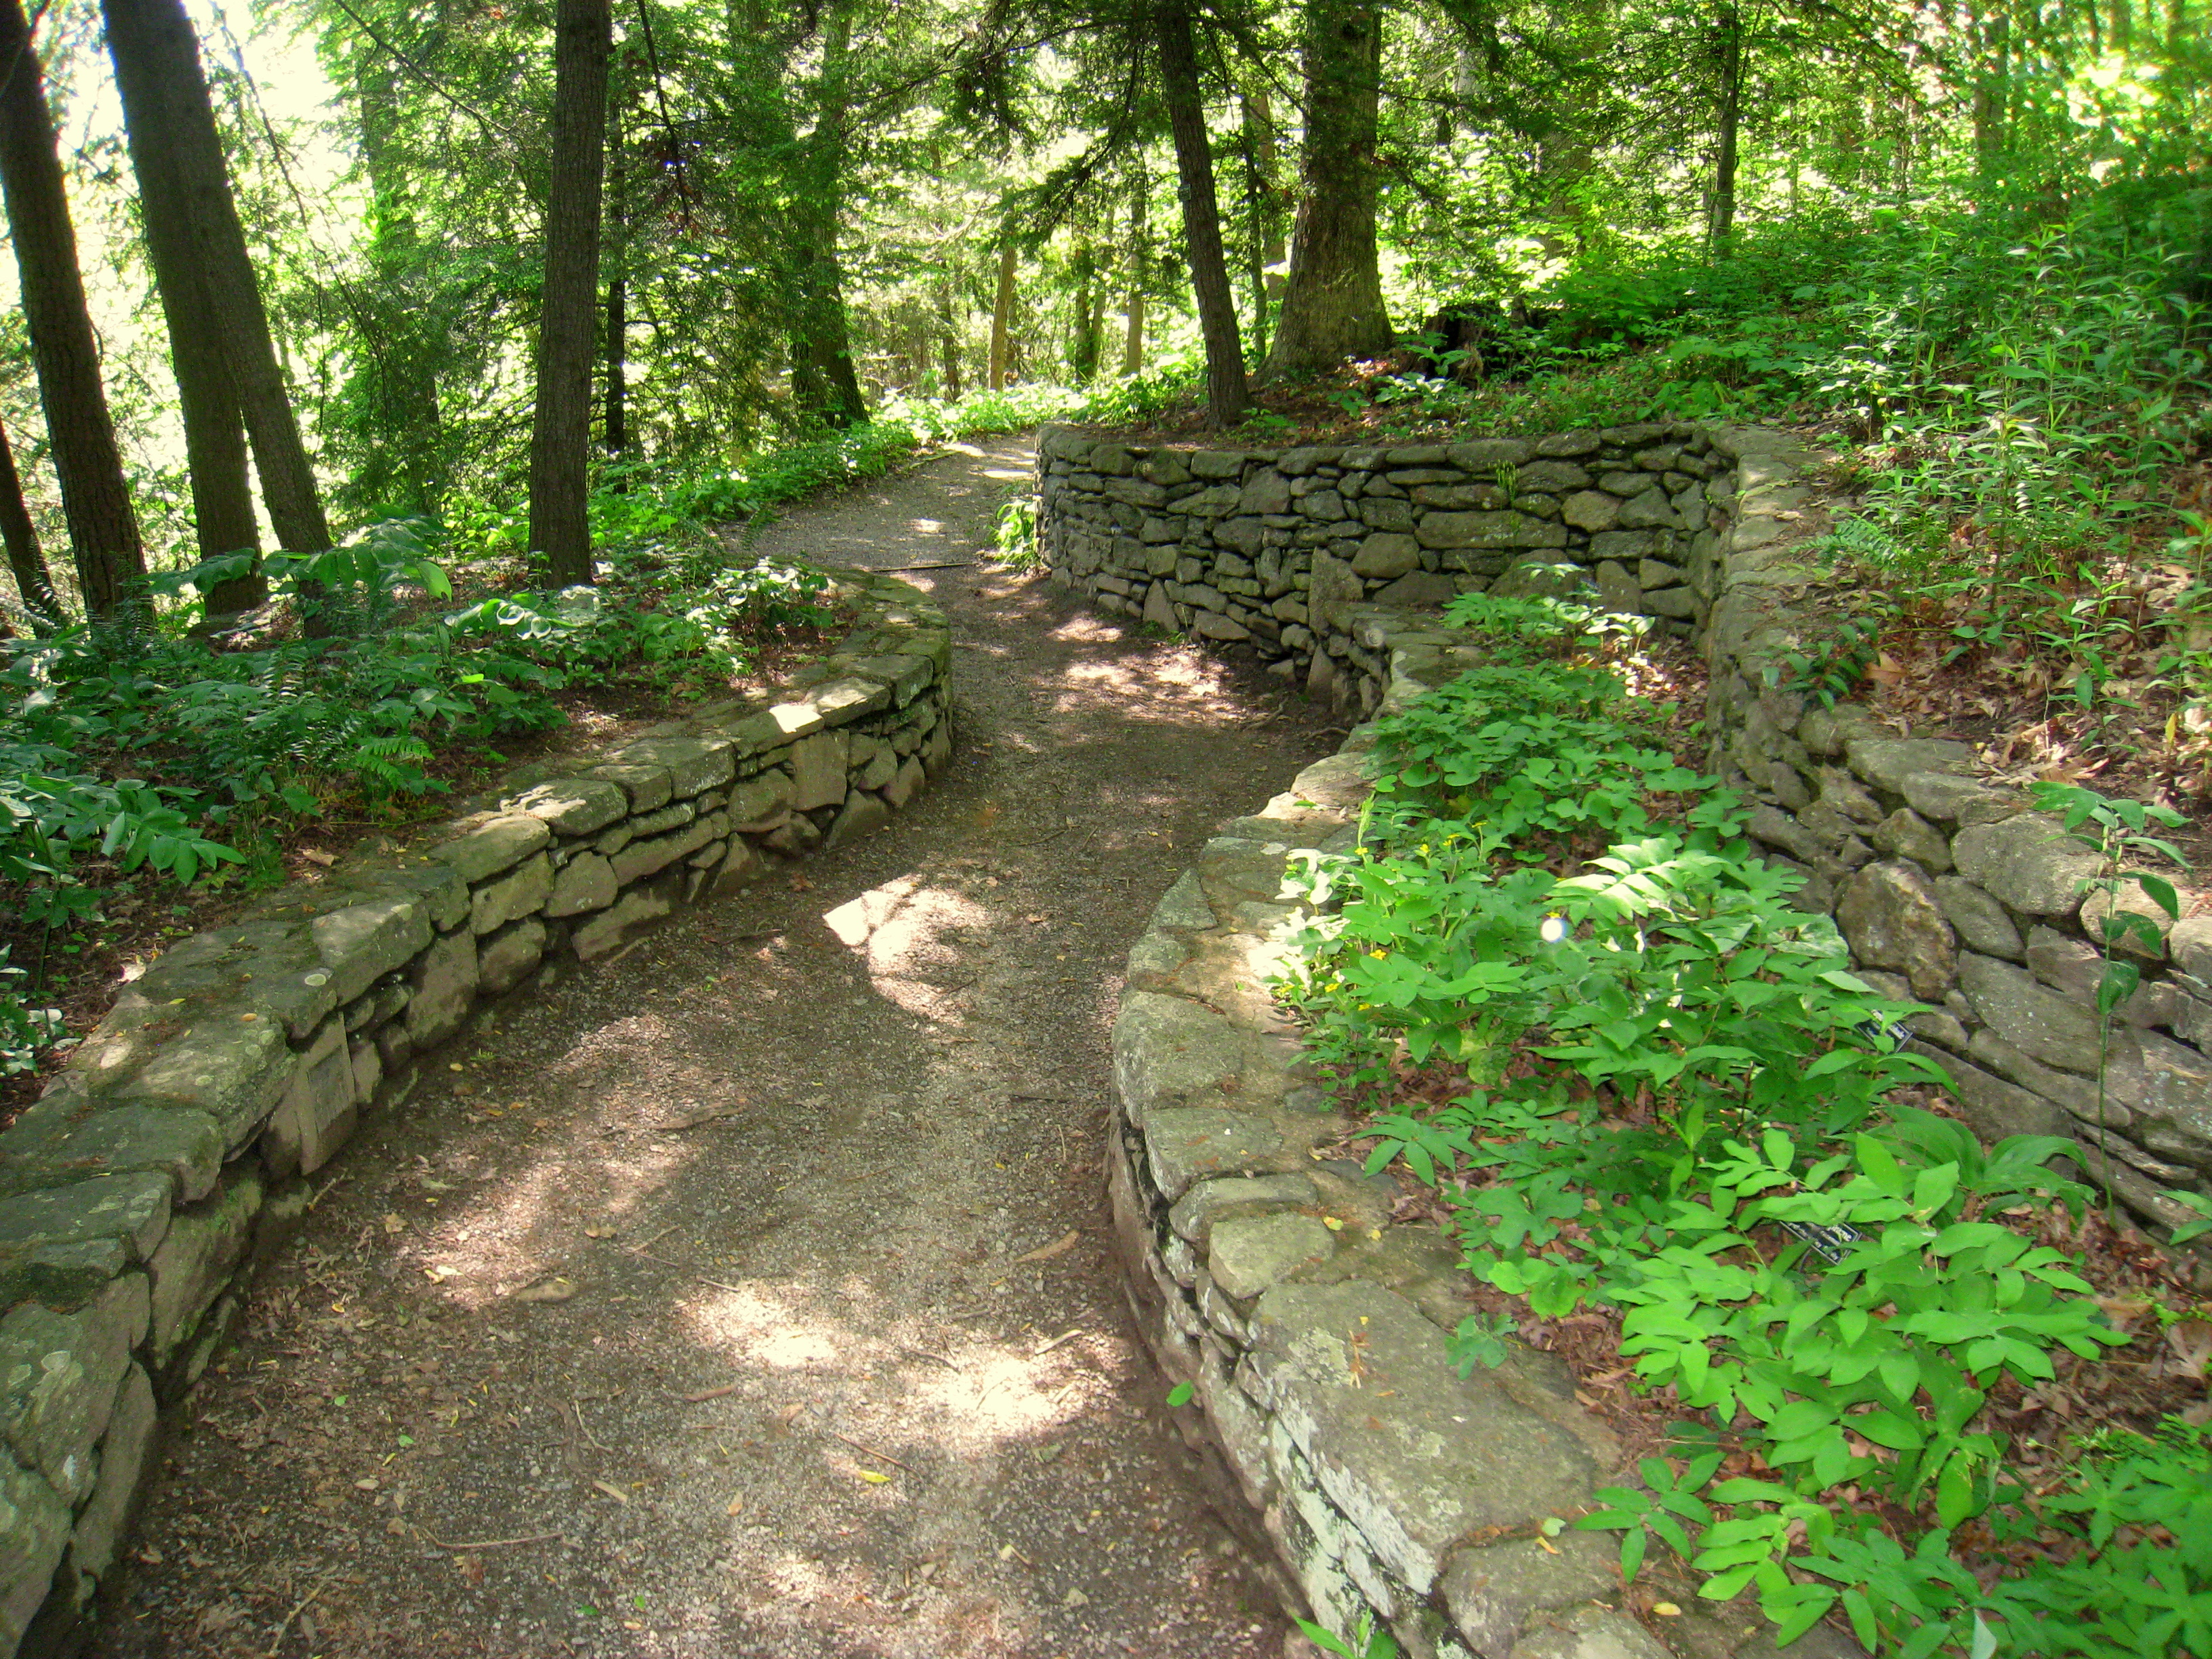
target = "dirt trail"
x: 753, y: 1296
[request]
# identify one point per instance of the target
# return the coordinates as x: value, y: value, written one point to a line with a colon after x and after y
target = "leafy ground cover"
x: 149, y: 776
x: 1874, y: 1372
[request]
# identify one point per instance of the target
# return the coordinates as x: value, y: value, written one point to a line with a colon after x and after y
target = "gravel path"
x: 753, y: 1296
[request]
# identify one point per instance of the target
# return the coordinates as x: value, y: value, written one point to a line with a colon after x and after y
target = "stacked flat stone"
x: 167, y: 1162
x: 1949, y: 890
x: 1311, y: 1325
x: 1274, y: 546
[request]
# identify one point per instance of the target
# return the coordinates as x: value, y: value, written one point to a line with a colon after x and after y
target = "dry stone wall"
x: 1951, y: 891
x: 168, y: 1160
x: 1276, y: 547
x: 1311, y: 1325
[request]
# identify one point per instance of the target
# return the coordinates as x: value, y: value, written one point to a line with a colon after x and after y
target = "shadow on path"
x: 753, y: 1296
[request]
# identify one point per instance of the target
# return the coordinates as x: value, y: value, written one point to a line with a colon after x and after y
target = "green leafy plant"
x: 1369, y: 1639
x: 1682, y: 1116
x: 2116, y: 830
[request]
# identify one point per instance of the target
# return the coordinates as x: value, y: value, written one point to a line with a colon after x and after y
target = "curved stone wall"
x: 1311, y: 1323
x: 1277, y: 546
x: 167, y: 1161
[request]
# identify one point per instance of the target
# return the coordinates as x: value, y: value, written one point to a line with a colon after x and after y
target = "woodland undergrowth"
x: 1880, y: 1374
x: 157, y: 763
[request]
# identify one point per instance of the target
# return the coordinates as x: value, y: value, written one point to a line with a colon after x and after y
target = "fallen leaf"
x: 871, y: 1477
x: 547, y: 1290
x: 602, y: 1232
x: 439, y: 1274
x: 316, y: 856
x: 735, y: 1504
x: 1075, y: 1598
x: 369, y: 1484
x: 612, y: 1490
x: 393, y: 1223
x: 1060, y: 1246
x: 799, y: 882
x: 678, y: 1125
x: 1666, y: 1610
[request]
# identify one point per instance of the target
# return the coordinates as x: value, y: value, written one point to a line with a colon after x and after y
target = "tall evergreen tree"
x: 1227, y: 395
x: 111, y: 560
x: 166, y: 106
x: 1332, y: 304
x: 561, y: 426
x: 207, y: 399
x: 27, y: 559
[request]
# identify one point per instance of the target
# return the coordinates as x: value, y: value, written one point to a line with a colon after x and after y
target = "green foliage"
x: 1677, y: 1088
x: 24, y: 1028
x: 1015, y: 534
x: 1369, y: 1640
x: 1831, y: 667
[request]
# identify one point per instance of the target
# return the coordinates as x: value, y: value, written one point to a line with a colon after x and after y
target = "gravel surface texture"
x: 753, y: 1296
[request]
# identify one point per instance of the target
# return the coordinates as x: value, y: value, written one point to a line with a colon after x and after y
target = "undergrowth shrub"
x: 1682, y: 1113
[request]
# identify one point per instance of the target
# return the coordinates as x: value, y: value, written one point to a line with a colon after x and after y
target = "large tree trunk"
x: 215, y: 432
x: 403, y: 331
x: 1731, y: 120
x: 1083, y: 337
x: 1729, y: 45
x: 1260, y: 194
x: 157, y: 38
x: 1228, y: 398
x: 111, y: 560
x: 26, y: 561
x: 1332, y: 304
x: 822, y: 334
x: 1002, y: 318
x: 1133, y: 341
x: 561, y: 425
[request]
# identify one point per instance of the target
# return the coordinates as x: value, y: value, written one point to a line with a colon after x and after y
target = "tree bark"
x: 1228, y: 397
x: 1002, y: 318
x: 1133, y: 343
x: 561, y: 423
x: 1082, y: 337
x: 821, y: 340
x: 111, y: 560
x: 214, y: 432
x: 1260, y: 192
x: 1332, y: 303
x: 158, y: 36
x: 26, y: 561
x: 949, y: 348
x: 1730, y: 45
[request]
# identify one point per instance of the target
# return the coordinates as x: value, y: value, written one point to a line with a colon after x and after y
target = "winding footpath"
x: 753, y: 1296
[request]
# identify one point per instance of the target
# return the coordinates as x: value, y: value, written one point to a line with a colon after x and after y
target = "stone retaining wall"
x: 1312, y: 1326
x: 1276, y: 546
x: 1949, y: 890
x: 167, y: 1161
